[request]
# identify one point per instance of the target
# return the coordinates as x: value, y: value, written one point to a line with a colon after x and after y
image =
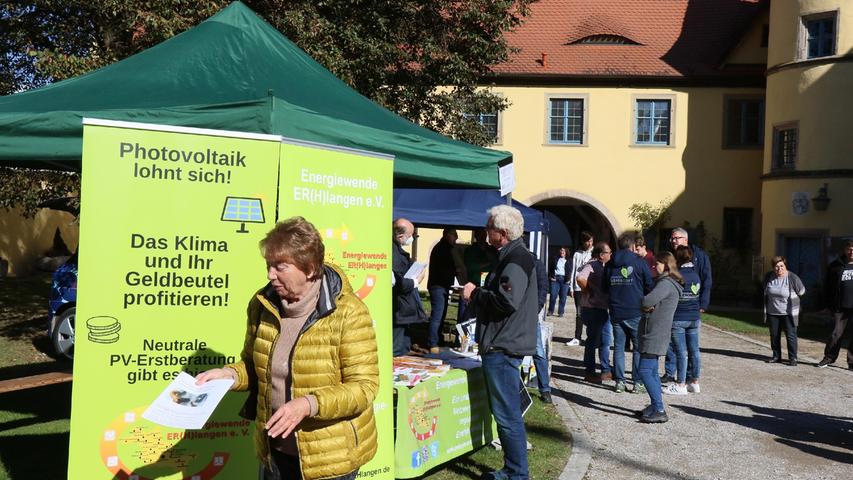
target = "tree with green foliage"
x: 647, y: 216
x: 423, y: 59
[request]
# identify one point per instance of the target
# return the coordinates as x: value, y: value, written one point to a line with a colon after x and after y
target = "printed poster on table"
x: 441, y: 419
x: 347, y: 195
x: 170, y: 224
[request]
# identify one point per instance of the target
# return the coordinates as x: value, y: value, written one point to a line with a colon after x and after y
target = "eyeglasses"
x: 675, y: 239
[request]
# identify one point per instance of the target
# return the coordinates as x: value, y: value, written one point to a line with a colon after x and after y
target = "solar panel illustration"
x: 243, y: 210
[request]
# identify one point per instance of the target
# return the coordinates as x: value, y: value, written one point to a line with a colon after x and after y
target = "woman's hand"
x: 648, y: 309
x: 216, y: 374
x: 288, y: 417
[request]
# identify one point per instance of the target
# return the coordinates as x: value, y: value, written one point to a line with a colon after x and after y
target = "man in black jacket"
x: 839, y: 297
x: 540, y: 358
x: 406, y: 306
x: 442, y: 272
x: 506, y: 331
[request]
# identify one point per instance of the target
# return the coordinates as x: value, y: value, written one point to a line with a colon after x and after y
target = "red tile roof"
x: 676, y: 38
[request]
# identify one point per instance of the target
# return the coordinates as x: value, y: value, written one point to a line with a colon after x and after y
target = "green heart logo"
x: 626, y: 271
x: 694, y: 288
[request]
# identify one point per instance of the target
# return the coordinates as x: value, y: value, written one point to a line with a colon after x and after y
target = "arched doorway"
x: 578, y: 212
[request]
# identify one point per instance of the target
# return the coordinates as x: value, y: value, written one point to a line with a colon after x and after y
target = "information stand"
x: 441, y: 419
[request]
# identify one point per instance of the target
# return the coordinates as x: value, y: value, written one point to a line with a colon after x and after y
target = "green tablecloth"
x: 439, y: 420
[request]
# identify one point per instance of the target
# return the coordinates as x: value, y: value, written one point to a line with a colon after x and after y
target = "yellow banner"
x: 347, y: 195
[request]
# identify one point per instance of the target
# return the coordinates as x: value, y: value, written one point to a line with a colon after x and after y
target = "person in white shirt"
x: 579, y: 259
x: 559, y: 284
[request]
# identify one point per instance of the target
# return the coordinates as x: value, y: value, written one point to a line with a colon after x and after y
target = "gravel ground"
x: 751, y: 421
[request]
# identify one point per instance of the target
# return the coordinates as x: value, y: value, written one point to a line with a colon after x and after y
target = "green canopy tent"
x: 235, y: 72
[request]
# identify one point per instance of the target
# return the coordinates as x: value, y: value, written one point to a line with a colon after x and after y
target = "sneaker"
x: 792, y: 362
x: 675, y: 389
x: 496, y: 475
x: 646, y: 412
x: 824, y: 363
x: 773, y: 360
x: 693, y: 387
x: 606, y: 377
x: 639, y: 388
x: 573, y: 342
x: 545, y: 397
x: 592, y: 378
x: 666, y: 378
x: 620, y: 387
x: 655, y: 417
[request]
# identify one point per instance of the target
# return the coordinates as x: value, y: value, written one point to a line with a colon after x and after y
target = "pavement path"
x: 752, y: 420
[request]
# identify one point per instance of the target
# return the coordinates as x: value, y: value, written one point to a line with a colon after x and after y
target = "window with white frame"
x: 566, y: 119
x: 818, y: 35
x: 785, y: 139
x: 489, y: 122
x: 653, y: 121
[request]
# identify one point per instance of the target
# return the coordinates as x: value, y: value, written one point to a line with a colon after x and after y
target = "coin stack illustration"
x: 103, y: 329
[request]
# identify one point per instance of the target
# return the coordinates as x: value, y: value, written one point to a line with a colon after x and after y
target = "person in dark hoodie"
x: 656, y: 331
x: 685, y: 328
x: 627, y: 279
x: 540, y: 358
x: 839, y: 295
x: 442, y: 272
x: 702, y: 266
x: 506, y: 332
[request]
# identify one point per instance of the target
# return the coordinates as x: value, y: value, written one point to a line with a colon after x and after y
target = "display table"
x: 440, y: 419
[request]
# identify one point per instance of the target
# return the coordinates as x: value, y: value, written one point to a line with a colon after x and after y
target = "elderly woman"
x: 782, y: 292
x: 310, y: 362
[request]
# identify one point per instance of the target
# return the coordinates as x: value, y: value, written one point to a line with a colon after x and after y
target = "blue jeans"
x: 648, y: 373
x: 606, y: 343
x: 503, y: 384
x: 559, y: 288
x: 685, y: 343
x: 596, y: 319
x: 622, y: 329
x: 438, y: 302
x: 540, y: 361
x: 669, y: 363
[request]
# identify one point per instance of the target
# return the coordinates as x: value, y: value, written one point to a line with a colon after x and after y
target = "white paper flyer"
x: 183, y: 404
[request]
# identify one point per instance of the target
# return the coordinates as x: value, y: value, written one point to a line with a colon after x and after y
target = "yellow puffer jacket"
x: 335, y: 360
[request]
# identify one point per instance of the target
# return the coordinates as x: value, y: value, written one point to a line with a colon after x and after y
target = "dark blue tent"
x: 438, y: 208
x: 458, y: 208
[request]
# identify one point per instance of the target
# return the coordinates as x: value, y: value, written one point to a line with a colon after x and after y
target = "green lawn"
x: 751, y: 323
x: 23, y: 321
x: 34, y: 430
x: 34, y: 424
x: 552, y: 446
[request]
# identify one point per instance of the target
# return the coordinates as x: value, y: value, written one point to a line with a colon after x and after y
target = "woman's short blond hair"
x: 295, y: 241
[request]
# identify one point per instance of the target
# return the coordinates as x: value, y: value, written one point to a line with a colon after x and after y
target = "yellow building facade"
x: 807, y: 174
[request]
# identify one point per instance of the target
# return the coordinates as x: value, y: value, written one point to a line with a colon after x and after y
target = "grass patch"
x: 34, y: 429
x: 23, y: 320
x: 551, y: 449
x: 813, y: 326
